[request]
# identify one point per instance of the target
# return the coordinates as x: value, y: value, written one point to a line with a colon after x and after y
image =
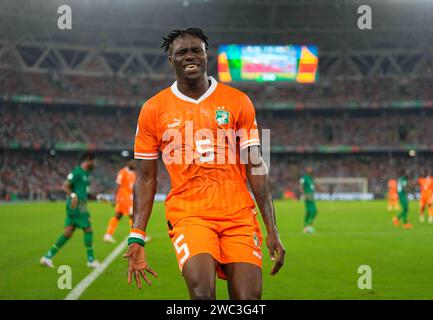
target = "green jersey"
x: 80, y: 185
x: 402, y: 185
x: 307, y: 183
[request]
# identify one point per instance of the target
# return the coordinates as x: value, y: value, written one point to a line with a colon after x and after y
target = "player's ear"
x: 170, y: 61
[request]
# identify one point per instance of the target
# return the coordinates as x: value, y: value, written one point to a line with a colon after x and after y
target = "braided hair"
x: 172, y: 35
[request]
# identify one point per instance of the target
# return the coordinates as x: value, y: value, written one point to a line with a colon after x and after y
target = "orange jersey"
x: 426, y: 186
x: 125, y: 181
x: 206, y: 180
x: 392, y: 187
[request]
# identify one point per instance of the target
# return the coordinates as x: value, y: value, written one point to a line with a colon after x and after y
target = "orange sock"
x: 430, y: 211
x: 112, y: 225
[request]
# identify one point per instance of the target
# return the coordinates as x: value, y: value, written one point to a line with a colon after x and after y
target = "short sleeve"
x: 247, y: 124
x: 72, y: 177
x: 146, y: 144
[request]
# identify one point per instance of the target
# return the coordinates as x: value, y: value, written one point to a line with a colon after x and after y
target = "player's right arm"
x: 67, y: 187
x: 146, y: 151
x: 144, y: 194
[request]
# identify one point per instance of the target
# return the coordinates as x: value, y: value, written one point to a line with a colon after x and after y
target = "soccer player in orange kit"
x: 210, y: 213
x: 392, y: 195
x: 426, y: 193
x: 123, y: 197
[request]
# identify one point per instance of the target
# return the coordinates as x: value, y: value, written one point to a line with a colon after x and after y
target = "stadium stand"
x: 60, y: 93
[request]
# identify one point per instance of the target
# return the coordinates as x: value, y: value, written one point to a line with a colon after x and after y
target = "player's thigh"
x: 197, y: 251
x: 199, y: 274
x: 68, y: 230
x: 241, y: 241
x: 244, y: 281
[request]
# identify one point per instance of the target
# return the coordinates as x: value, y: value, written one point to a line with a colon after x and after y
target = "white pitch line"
x: 88, y: 280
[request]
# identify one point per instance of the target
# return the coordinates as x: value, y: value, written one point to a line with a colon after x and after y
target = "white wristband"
x: 73, y: 195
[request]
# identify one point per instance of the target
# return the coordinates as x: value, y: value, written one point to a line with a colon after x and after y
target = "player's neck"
x: 193, y: 90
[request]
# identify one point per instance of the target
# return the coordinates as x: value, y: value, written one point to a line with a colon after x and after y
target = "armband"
x: 137, y: 236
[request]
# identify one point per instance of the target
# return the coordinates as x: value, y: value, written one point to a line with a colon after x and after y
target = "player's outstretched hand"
x: 276, y: 251
x: 137, y: 265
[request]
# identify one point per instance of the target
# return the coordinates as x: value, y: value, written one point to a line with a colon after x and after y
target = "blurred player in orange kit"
x: 123, y: 197
x: 210, y: 213
x: 426, y: 189
x: 393, y: 195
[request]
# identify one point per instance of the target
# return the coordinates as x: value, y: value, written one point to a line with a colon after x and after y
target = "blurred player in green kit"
x: 307, y: 188
x: 403, y: 187
x: 76, y: 187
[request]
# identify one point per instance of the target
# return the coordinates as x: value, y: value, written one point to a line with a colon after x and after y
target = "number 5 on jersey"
x: 181, y: 249
x: 205, y: 149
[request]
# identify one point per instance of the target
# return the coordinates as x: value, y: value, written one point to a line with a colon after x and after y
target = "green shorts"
x: 81, y: 221
x: 78, y: 217
x: 310, y: 207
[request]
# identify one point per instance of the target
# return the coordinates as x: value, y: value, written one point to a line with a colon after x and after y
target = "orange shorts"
x: 125, y: 208
x: 392, y: 197
x: 392, y: 201
x: 227, y: 241
x: 425, y: 200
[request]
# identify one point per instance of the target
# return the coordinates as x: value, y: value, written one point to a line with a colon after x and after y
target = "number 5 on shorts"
x: 181, y: 248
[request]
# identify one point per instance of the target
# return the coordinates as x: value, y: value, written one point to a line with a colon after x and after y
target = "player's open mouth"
x: 191, y: 67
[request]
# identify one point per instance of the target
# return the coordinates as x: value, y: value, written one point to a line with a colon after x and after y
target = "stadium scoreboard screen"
x: 292, y: 63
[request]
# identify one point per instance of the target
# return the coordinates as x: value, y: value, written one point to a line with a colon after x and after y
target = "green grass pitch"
x: 319, y: 266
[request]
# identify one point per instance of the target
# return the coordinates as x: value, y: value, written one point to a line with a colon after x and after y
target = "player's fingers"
x: 279, y: 260
x: 151, y: 271
x: 127, y: 255
x: 143, y: 274
x: 137, y: 279
x: 129, y: 276
x: 276, y: 268
x: 281, y: 254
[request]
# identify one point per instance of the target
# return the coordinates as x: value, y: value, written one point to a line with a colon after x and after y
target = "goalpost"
x: 332, y: 185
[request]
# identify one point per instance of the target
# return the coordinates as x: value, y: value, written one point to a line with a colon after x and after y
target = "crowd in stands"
x: 335, y: 92
x: 39, y: 175
x: 24, y: 128
x: 37, y: 126
x: 380, y: 130
x: 32, y: 126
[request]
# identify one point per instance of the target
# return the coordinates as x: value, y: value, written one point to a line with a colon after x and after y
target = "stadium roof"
x: 141, y: 23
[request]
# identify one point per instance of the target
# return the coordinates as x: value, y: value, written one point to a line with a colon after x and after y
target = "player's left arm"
x: 258, y: 177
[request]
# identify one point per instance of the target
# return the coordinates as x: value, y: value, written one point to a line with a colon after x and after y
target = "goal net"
x: 340, y: 184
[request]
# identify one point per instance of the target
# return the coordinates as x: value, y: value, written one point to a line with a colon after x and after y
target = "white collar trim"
x: 180, y: 95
